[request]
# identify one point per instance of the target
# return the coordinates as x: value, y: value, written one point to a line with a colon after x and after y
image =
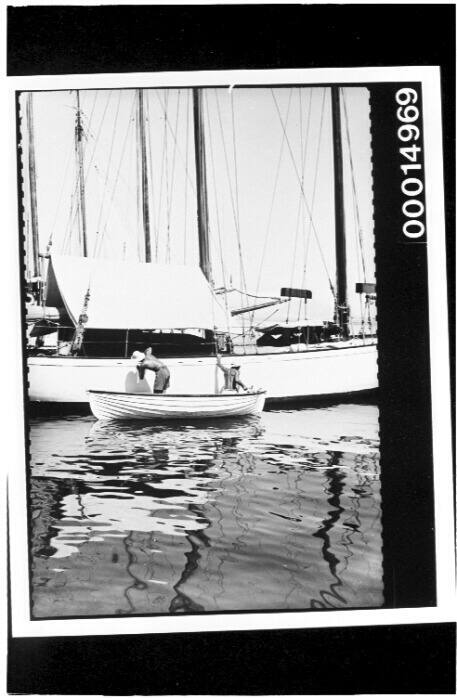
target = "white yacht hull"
x: 348, y: 367
x: 110, y: 405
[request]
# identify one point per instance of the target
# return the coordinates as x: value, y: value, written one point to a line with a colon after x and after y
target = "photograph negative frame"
x: 384, y: 85
x: 348, y: 653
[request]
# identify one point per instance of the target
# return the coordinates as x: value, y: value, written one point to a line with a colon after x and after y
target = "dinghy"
x: 107, y: 404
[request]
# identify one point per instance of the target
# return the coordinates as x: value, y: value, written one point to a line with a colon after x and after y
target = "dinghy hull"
x: 107, y: 405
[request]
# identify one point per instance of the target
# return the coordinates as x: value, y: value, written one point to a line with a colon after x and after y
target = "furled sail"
x: 134, y: 295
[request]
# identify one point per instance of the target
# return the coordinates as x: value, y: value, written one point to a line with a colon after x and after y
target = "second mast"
x: 202, y: 192
x: 341, y: 302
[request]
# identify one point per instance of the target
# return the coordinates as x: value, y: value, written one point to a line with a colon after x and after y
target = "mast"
x: 32, y: 187
x: 202, y: 193
x: 144, y: 178
x: 80, y: 155
x: 341, y: 302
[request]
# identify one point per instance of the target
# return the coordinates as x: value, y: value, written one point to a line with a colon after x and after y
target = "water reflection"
x: 280, y: 511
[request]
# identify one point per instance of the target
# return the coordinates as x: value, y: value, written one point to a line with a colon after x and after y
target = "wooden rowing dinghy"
x: 107, y: 404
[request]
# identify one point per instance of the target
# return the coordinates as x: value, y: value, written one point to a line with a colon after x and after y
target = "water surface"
x: 276, y: 512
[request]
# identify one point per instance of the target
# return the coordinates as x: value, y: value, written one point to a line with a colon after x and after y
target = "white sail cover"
x: 134, y: 295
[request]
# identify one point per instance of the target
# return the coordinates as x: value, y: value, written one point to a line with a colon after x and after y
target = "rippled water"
x: 280, y: 511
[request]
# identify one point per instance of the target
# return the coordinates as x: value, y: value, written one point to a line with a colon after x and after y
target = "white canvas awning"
x: 129, y: 295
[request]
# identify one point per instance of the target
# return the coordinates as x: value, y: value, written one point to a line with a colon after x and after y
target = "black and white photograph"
x: 215, y: 272
x: 199, y: 263
x: 201, y: 345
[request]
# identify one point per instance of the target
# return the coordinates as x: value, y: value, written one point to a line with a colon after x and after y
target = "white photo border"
x: 14, y: 418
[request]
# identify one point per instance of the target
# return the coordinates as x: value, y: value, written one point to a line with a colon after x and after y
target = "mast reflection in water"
x: 280, y: 511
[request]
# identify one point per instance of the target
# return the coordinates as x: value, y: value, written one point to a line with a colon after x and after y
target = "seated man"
x: 162, y: 377
x: 231, y: 376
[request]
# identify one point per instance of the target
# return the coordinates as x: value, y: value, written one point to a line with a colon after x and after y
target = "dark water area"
x: 276, y: 512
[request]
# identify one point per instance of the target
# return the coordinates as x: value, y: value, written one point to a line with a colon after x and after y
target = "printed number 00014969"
x: 413, y: 208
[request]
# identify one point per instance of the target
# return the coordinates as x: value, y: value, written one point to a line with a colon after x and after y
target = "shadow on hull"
x: 359, y: 397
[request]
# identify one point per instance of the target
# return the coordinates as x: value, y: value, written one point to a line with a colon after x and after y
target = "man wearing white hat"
x: 232, y: 380
x: 149, y: 361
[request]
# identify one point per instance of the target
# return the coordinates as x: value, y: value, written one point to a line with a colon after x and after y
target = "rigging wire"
x: 249, y: 295
x: 68, y: 228
x: 273, y: 197
x: 135, y: 176
x: 141, y: 243
x: 216, y: 201
x: 316, y: 173
x: 167, y: 193
x: 59, y: 202
x: 186, y: 187
x: 237, y: 205
x: 355, y: 227
x: 131, y: 174
x: 265, y: 319
x: 99, y: 171
x: 85, y: 131
x: 78, y: 218
x: 116, y: 180
x: 186, y: 169
x: 67, y: 164
x: 151, y: 192
x: 235, y: 160
x: 162, y: 166
x: 294, y: 255
x: 232, y: 199
x: 304, y: 195
x: 364, y: 310
x: 357, y: 256
x: 173, y: 163
x: 108, y: 168
x: 304, y: 151
x: 300, y: 209
x: 354, y: 189
x: 92, y: 111
x: 75, y: 214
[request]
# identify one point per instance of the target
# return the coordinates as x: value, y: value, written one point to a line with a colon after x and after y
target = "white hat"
x: 138, y: 356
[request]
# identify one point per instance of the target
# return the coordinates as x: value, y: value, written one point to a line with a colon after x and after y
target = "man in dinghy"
x: 231, y: 376
x: 151, y: 362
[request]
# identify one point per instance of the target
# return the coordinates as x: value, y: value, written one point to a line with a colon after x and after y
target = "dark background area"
x: 392, y: 659
x: 398, y: 659
x: 405, y: 415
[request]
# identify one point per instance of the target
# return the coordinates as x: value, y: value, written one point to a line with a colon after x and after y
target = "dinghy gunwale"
x: 179, y: 395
